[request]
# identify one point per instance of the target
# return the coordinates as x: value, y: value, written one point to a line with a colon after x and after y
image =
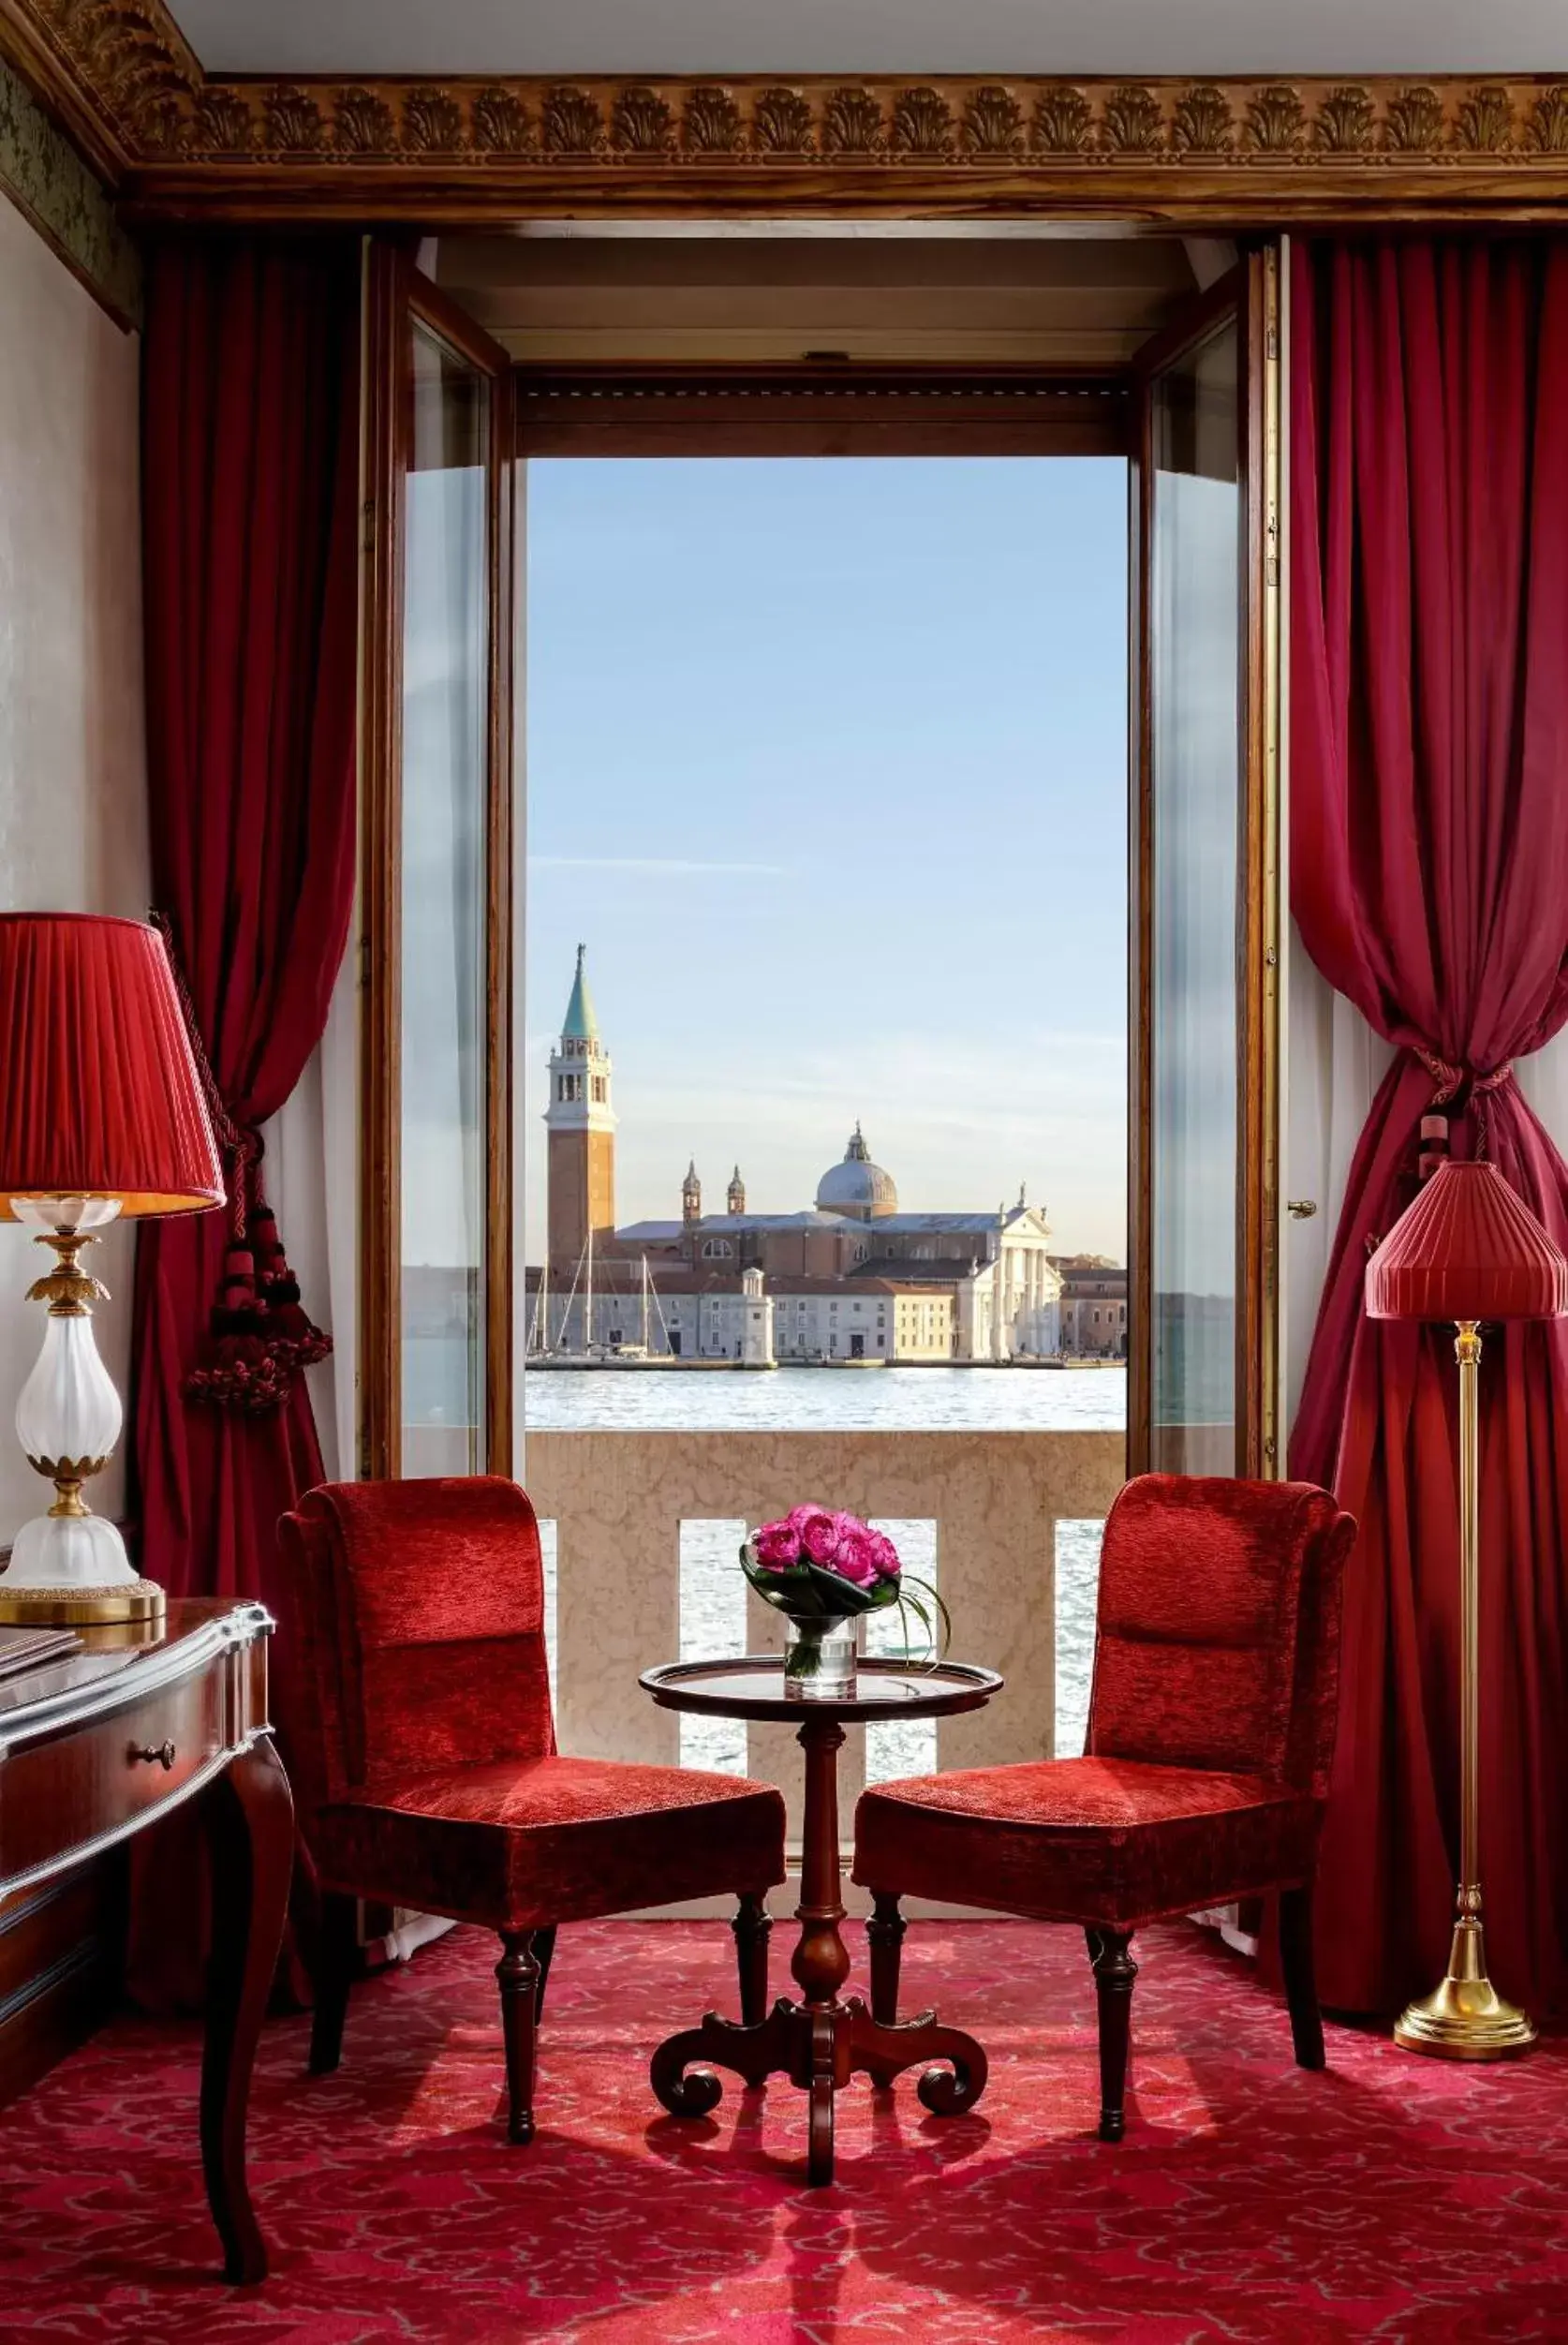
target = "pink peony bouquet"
x: 818, y: 1565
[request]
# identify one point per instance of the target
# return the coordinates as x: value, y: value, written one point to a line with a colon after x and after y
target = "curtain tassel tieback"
x: 260, y: 1336
x: 1459, y: 1087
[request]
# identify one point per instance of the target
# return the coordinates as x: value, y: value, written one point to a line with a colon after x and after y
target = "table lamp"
x: 1467, y: 1250
x: 101, y: 1114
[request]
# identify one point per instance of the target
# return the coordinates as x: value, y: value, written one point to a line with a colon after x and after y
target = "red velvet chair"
x: 1211, y: 1730
x: 414, y: 1704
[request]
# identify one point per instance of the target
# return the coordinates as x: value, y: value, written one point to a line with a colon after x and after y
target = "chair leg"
x: 545, y: 1955
x: 752, y: 1925
x: 885, y: 1929
x: 1301, y: 1987
x: 518, y: 1973
x: 336, y: 1959
x: 1114, y: 1973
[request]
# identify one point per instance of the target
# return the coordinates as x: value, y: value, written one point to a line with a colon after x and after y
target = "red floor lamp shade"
x: 1468, y: 1249
x: 101, y: 1114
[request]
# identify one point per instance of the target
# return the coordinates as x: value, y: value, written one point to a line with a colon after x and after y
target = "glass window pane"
x: 446, y: 657
x: 1196, y: 736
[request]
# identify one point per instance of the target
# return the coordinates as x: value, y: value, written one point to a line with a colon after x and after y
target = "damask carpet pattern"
x: 1390, y: 2198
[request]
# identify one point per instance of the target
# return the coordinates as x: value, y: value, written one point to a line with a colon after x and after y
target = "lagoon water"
x: 807, y: 1400
x: 825, y: 1400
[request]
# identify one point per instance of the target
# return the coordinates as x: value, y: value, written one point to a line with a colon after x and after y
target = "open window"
x: 1205, y: 889
x: 435, y: 765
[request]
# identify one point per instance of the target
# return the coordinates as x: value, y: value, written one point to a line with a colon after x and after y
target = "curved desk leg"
x: 248, y: 1812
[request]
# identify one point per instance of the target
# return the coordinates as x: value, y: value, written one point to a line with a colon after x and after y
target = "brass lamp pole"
x: 1468, y: 1249
x: 1464, y: 2016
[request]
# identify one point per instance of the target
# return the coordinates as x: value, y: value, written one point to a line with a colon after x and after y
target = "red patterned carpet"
x: 1391, y: 2198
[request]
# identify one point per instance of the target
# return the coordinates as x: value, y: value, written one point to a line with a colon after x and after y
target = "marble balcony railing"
x: 991, y: 1511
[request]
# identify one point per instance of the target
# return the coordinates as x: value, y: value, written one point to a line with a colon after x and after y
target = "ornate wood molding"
x: 45, y: 176
x: 121, y: 71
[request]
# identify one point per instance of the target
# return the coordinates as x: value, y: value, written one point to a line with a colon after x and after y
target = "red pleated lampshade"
x: 100, y: 1095
x: 1467, y: 1248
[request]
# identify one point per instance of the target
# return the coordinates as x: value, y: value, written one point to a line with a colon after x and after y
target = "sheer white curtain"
x: 311, y: 1170
x: 1334, y: 1063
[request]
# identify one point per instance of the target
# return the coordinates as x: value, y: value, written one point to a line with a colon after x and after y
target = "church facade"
x: 850, y: 1277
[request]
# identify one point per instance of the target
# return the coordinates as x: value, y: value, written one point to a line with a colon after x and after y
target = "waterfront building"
x: 850, y: 1277
x: 1093, y: 1307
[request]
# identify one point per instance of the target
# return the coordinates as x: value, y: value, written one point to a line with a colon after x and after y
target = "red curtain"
x: 1429, y: 879
x: 250, y: 489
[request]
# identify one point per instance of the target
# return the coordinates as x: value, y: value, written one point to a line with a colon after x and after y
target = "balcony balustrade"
x: 990, y: 1511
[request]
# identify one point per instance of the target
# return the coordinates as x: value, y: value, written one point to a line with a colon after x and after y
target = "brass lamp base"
x: 137, y: 1600
x: 1465, y: 2018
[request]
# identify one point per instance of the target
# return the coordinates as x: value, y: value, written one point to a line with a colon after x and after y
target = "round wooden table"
x: 821, y: 2040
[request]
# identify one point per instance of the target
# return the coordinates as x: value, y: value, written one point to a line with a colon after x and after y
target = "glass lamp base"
x: 1464, y: 2018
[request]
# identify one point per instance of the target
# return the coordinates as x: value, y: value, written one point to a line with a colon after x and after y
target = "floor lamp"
x: 1467, y: 1250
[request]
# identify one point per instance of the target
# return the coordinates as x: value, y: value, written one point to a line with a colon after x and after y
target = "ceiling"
x: 978, y: 300
x: 1139, y: 38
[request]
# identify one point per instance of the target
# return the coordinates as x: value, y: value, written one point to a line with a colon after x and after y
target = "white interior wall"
x: 73, y: 794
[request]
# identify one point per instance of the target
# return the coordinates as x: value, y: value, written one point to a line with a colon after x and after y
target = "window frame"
x: 397, y: 297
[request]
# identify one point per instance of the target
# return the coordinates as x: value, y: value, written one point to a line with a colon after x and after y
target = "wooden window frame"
x: 820, y: 408
x: 1251, y: 292
x: 396, y: 296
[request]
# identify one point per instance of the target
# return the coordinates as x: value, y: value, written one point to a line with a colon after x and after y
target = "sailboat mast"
x: 588, y: 1304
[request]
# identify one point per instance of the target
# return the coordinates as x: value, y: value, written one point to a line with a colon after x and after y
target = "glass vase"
x: 819, y: 1658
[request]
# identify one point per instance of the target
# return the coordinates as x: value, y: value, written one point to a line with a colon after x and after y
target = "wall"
x: 72, y: 770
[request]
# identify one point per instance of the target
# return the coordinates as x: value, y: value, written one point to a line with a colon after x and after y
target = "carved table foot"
x: 818, y: 2048
x: 751, y: 2053
x: 883, y: 2051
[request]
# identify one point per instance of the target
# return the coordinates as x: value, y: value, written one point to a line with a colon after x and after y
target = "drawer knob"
x: 155, y: 1754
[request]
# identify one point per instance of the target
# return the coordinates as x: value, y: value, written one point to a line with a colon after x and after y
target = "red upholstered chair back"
x: 411, y: 1617
x: 1219, y: 1627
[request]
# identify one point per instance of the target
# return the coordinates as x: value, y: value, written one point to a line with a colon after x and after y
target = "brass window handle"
x: 1301, y: 1209
x: 155, y: 1754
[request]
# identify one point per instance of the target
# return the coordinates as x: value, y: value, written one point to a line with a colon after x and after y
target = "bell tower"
x: 580, y: 1124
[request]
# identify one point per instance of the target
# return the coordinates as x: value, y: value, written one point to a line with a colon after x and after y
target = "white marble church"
x: 849, y: 1278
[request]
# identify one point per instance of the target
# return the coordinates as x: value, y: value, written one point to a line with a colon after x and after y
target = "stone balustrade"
x: 619, y: 1499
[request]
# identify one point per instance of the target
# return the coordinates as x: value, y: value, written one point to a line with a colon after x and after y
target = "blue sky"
x: 826, y: 764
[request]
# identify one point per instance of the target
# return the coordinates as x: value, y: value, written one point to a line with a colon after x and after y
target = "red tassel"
x: 237, y: 1368
x: 292, y: 1336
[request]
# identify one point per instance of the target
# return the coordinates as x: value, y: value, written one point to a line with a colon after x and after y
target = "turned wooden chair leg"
x: 518, y: 1973
x: 1114, y: 1973
x: 751, y: 1926
x: 1296, y: 1961
x: 885, y: 1930
x: 333, y: 1971
x: 545, y: 1955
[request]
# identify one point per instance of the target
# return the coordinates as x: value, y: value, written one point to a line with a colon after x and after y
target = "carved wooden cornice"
x: 121, y: 75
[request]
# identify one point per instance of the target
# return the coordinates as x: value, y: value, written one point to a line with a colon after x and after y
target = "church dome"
x: 857, y: 1188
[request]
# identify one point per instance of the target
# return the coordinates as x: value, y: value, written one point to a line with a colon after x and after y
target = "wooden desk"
x: 102, y: 1743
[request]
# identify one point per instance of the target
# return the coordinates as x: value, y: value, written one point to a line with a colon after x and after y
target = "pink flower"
x: 817, y: 1532
x: 856, y: 1558
x: 777, y: 1546
x: 884, y: 1554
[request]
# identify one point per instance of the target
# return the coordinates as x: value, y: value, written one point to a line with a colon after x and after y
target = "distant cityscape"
x: 850, y: 1280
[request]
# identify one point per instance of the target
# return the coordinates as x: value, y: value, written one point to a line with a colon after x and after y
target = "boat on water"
x: 547, y: 1349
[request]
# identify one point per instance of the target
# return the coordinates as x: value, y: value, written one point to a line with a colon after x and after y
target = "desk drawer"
x: 62, y: 1795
